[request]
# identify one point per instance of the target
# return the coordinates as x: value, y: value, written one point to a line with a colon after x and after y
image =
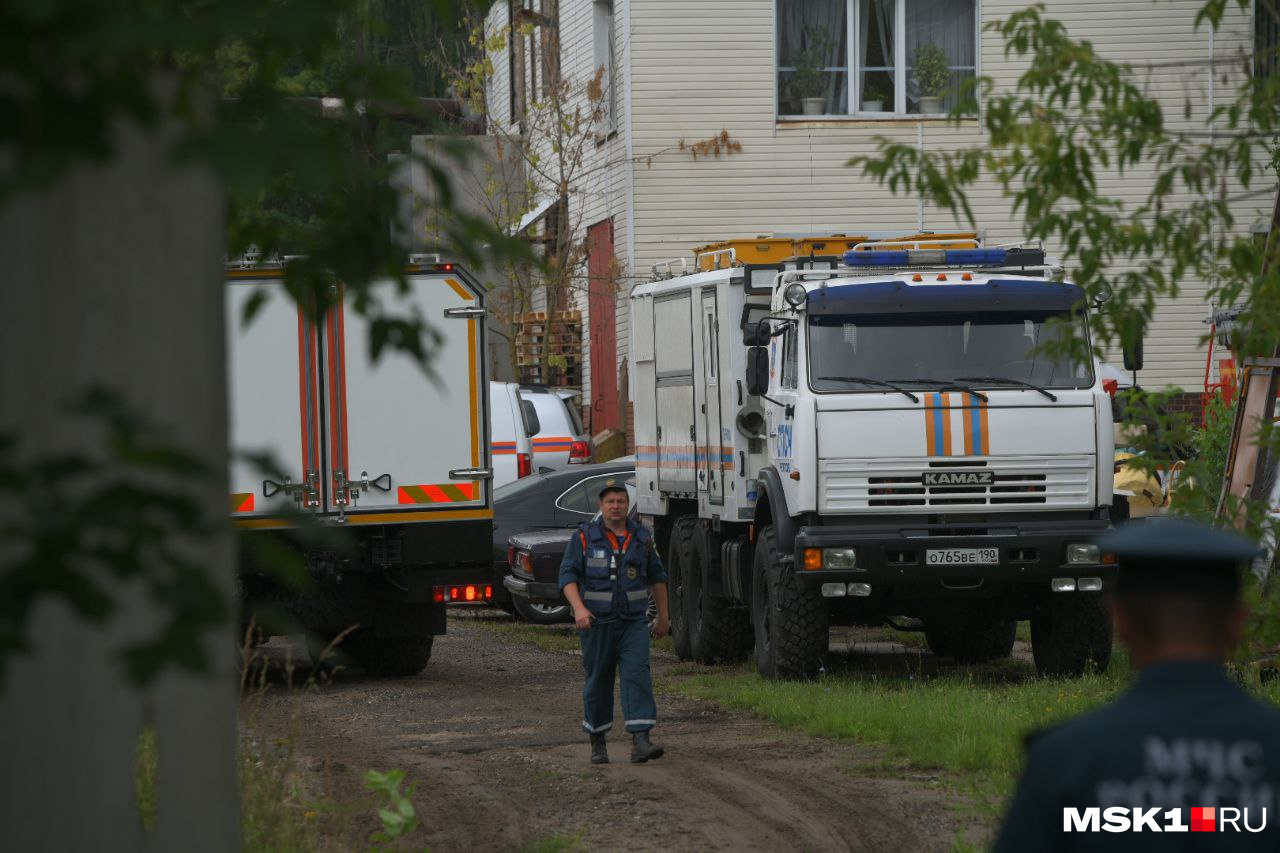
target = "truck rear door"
x: 402, y: 438
x: 274, y: 399
x: 365, y: 442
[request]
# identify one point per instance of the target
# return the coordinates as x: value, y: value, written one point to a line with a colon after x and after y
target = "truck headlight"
x: 1081, y: 553
x: 839, y: 558
x: 795, y: 294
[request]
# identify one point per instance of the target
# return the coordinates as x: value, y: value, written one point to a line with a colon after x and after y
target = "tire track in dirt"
x: 490, y: 734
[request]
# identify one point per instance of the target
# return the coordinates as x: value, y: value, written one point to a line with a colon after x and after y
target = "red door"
x: 601, y: 314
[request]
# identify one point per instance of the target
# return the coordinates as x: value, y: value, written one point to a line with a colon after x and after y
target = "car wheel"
x: 541, y: 614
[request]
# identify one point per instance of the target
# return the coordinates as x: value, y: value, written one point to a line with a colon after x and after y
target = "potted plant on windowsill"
x: 809, y: 80
x: 932, y: 76
x: 873, y: 97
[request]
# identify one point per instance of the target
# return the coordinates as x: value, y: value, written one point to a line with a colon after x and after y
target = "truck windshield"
x: 856, y: 352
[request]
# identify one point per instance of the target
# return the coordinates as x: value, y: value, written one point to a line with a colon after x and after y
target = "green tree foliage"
x: 1073, y: 116
x: 218, y: 79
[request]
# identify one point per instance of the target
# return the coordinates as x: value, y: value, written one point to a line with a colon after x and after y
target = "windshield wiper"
x: 1002, y: 380
x: 865, y: 381
x: 946, y: 385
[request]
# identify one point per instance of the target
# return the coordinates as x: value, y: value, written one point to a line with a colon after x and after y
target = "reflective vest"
x: 614, y: 585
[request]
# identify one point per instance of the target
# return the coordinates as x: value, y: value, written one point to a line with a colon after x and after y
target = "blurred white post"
x: 113, y: 276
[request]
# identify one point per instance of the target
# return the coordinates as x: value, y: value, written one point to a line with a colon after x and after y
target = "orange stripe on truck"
x: 436, y: 493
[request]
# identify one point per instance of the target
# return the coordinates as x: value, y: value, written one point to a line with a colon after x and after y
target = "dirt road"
x: 491, y: 733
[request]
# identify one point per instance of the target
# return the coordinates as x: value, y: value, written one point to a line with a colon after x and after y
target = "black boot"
x: 599, y: 755
x: 642, y: 750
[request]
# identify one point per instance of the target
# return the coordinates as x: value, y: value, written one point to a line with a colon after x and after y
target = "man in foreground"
x: 609, y: 570
x: 1185, y: 759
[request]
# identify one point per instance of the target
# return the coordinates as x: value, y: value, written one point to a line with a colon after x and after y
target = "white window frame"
x: 851, y: 66
x: 602, y: 27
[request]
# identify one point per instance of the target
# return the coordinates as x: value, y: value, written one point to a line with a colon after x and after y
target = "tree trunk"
x: 113, y: 278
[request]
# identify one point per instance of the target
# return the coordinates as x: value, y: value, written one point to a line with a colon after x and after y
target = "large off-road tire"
x: 679, y: 558
x: 718, y: 631
x: 377, y: 656
x: 541, y: 614
x: 975, y: 638
x: 390, y: 656
x: 1071, y: 632
x: 791, y: 623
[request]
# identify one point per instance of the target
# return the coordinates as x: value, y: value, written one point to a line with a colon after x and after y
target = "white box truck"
x: 880, y: 437
x: 394, y: 454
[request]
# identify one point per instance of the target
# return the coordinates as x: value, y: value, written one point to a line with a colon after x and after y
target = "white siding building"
x: 683, y: 72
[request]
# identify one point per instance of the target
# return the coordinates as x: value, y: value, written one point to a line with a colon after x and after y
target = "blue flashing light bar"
x: 943, y: 257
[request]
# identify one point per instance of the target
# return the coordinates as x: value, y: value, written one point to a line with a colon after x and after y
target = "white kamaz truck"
x: 395, y: 455
x: 883, y: 436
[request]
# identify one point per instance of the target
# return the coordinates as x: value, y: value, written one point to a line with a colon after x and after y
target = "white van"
x: 514, y: 423
x: 562, y: 440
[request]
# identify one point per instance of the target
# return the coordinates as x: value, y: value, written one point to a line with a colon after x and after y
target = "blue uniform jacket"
x: 573, y: 566
x: 1183, y: 738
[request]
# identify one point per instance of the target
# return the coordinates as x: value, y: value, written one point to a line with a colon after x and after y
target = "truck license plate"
x: 963, y: 557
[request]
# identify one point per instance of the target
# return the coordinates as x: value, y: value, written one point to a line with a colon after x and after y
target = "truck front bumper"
x: 1030, y: 552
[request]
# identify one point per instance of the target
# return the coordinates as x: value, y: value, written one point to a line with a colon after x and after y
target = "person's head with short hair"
x: 614, y: 503
x: 1178, y: 593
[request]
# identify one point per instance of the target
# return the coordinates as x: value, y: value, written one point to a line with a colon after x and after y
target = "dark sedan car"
x: 552, y: 500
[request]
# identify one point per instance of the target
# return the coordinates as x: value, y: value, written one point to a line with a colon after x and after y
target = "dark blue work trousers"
x: 608, y: 646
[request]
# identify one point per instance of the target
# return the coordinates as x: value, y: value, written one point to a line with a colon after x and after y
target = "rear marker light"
x: 580, y: 451
x: 527, y: 562
x: 524, y: 465
x: 470, y: 592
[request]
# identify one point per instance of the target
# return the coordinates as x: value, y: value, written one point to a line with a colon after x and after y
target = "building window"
x: 874, y: 57
x: 533, y: 52
x: 1266, y: 39
x: 602, y: 58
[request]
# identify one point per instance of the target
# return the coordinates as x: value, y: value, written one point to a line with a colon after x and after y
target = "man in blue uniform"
x: 1183, y: 760
x: 608, y: 572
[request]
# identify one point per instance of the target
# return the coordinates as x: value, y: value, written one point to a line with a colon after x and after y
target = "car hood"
x: 543, y: 538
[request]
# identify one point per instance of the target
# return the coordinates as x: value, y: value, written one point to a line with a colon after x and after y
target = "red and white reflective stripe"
x: 436, y: 493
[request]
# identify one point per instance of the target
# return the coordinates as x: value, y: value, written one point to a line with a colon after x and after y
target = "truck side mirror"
x: 1133, y: 357
x: 755, y: 334
x: 757, y: 371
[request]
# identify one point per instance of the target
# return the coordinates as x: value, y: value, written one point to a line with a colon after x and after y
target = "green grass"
x: 551, y: 638
x: 146, y: 766
x: 967, y: 723
x: 274, y: 815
